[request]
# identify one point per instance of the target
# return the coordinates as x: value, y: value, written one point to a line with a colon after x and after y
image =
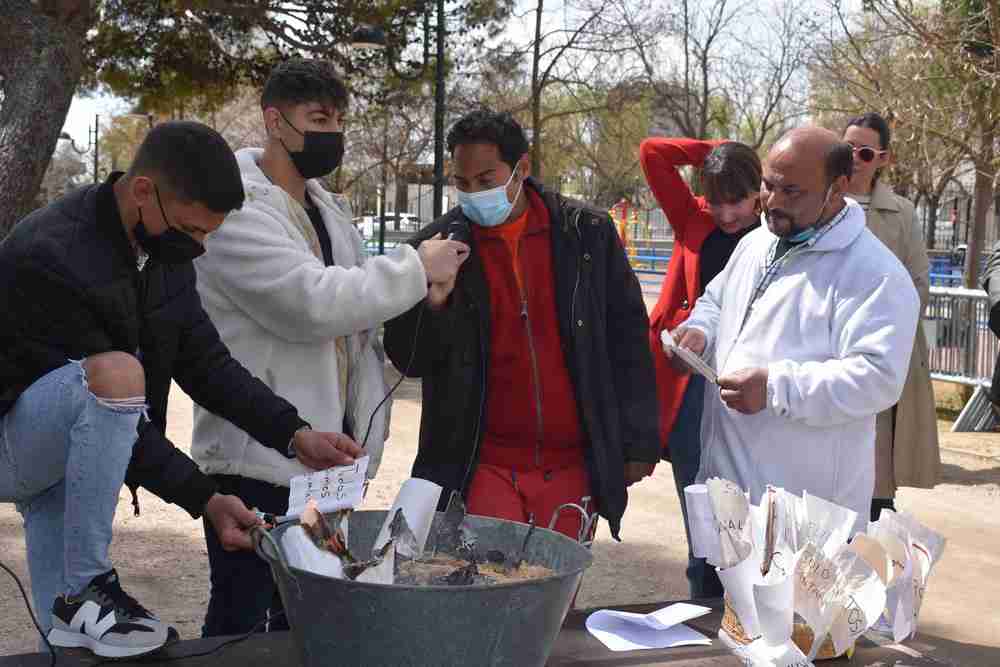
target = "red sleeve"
x: 660, y: 159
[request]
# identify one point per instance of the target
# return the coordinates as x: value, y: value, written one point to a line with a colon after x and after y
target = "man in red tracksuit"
x: 538, y: 385
x: 706, y: 231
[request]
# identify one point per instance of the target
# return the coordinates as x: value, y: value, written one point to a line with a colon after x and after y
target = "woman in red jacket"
x: 706, y: 231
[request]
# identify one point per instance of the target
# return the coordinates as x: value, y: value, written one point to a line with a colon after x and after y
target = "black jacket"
x: 603, y: 325
x: 71, y: 289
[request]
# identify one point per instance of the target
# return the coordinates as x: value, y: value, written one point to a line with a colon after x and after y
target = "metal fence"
x: 960, y: 344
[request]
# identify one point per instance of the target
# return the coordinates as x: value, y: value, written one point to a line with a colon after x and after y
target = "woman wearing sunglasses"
x: 906, y: 439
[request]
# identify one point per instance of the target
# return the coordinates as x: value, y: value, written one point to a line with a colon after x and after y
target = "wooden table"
x: 574, y: 646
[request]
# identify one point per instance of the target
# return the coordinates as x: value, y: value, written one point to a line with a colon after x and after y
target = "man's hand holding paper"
x: 319, y: 450
x: 745, y: 390
x: 684, y: 347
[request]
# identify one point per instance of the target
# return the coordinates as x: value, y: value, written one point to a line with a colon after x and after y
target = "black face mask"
x: 321, y: 152
x: 172, y: 246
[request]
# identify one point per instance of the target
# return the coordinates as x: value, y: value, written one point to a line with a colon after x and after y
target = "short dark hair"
x: 731, y: 173
x: 485, y: 126
x: 194, y: 162
x: 873, y: 121
x: 302, y: 80
x: 839, y: 161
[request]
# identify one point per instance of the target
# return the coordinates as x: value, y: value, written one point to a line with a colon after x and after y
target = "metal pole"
x: 439, y: 113
x: 97, y: 150
x: 385, y: 160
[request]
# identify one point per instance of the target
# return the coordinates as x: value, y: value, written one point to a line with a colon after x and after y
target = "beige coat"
x: 907, y: 455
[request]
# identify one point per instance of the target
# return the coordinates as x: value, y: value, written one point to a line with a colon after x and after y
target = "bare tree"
x: 934, y: 71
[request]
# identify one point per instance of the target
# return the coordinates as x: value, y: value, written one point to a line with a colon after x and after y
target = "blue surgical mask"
x: 489, y: 208
x: 810, y: 232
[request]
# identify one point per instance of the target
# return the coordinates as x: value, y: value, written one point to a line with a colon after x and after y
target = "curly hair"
x: 485, y: 126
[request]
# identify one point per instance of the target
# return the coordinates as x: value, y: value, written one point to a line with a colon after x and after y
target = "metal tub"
x: 342, y: 622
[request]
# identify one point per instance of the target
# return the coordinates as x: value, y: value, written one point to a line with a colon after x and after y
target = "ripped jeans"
x: 63, y: 457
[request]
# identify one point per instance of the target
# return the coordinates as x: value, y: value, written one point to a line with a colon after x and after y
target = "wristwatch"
x: 291, y: 441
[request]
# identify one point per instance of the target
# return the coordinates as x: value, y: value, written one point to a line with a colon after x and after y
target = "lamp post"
x: 439, y: 113
x: 368, y: 36
x: 94, y: 138
x: 93, y: 142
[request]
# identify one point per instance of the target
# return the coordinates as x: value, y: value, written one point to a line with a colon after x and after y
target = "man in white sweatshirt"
x: 810, y: 327
x: 286, y: 282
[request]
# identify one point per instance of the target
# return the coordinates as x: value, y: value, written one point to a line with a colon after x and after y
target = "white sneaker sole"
x: 64, y: 639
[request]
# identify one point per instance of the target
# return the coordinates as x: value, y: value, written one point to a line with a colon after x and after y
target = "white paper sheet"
x: 301, y: 553
x: 739, y: 582
x: 694, y: 362
x: 786, y: 654
x: 418, y: 499
x: 702, y: 524
x: 333, y: 489
x: 828, y: 525
x: 775, y: 613
x: 625, y: 631
x: 731, y: 508
x: 858, y: 600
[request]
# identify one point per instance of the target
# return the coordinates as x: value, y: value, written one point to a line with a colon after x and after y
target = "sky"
x: 80, y: 118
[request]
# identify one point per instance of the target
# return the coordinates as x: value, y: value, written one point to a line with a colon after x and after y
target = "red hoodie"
x: 692, y: 223
x: 531, y: 417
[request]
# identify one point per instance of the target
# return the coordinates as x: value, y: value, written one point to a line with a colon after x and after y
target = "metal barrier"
x: 961, y: 348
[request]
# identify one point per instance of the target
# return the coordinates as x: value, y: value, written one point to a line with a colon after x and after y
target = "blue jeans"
x: 685, y: 457
x: 63, y: 456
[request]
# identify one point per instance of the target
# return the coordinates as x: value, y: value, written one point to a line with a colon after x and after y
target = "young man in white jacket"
x: 287, y: 284
x: 810, y: 327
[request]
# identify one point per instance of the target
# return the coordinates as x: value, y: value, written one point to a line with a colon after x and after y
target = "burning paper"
x: 417, y: 500
x: 303, y: 554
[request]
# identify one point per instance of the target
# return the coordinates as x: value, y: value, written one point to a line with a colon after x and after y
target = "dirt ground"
x: 161, y: 555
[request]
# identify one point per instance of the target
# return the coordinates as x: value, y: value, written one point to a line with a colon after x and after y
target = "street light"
x: 94, y: 137
x: 369, y: 36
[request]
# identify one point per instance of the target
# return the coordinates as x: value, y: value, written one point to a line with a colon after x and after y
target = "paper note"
x: 732, y: 512
x: 333, y: 489
x: 775, y: 603
x: 828, y: 525
x: 693, y: 361
x: 625, y: 631
x: 739, y: 582
x: 701, y: 523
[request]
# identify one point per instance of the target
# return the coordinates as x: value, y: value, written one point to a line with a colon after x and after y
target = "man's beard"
x: 780, y: 224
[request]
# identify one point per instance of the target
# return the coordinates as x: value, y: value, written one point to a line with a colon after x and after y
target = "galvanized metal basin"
x: 342, y: 622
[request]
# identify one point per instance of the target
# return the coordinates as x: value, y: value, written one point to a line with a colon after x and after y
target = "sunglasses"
x: 867, y: 153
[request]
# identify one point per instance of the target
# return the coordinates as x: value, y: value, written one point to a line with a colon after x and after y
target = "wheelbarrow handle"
x: 260, y: 535
x: 587, y: 520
